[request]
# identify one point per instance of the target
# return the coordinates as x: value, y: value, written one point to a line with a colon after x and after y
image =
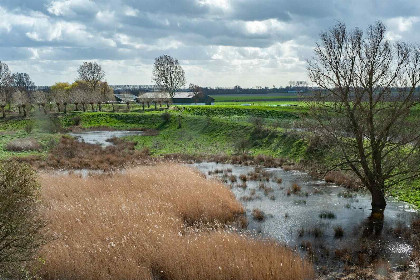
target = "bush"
x: 29, y: 127
x: 21, y: 145
x: 166, y: 117
x: 258, y: 215
x: 52, y: 125
x: 20, y: 222
x: 76, y: 120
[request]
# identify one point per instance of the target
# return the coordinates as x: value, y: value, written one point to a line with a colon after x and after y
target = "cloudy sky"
x: 218, y: 42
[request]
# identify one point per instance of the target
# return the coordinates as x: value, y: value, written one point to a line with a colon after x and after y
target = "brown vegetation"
x: 24, y: 144
x: 72, y: 154
x: 143, y: 224
x: 258, y: 215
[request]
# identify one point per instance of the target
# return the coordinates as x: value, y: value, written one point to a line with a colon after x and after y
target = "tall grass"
x: 144, y: 224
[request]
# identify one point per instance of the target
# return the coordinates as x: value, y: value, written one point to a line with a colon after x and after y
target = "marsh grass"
x: 142, y: 224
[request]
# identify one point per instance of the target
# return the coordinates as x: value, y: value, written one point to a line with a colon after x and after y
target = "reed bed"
x: 145, y: 224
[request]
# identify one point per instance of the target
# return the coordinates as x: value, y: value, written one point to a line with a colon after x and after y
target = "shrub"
x: 258, y: 215
x: 166, y: 117
x: 25, y: 144
x: 52, y: 125
x: 327, y: 215
x: 296, y: 188
x: 242, y: 177
x: 29, y: 127
x: 20, y: 222
x: 338, y: 232
x: 76, y: 120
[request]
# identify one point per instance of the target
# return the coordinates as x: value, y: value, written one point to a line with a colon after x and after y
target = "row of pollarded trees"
x: 18, y: 90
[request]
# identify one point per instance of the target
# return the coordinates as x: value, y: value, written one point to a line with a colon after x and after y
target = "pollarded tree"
x: 168, y: 74
x: 364, y: 108
x: 40, y: 98
x: 21, y: 101
x: 22, y: 83
x: 60, y: 94
x: 105, y: 94
x: 5, y: 87
x: 80, y: 94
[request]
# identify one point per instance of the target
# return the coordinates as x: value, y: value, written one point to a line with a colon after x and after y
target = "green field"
x: 255, y: 97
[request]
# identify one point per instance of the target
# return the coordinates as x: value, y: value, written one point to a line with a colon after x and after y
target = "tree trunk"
x: 43, y: 108
x: 24, y: 110
x: 100, y: 106
x: 65, y: 108
x: 3, y: 113
x: 91, y: 105
x: 128, y: 106
x: 148, y: 104
x: 20, y: 110
x: 142, y: 105
x: 77, y: 106
x: 378, y: 199
x: 83, y: 107
x: 167, y: 104
x: 155, y: 105
x: 113, y: 107
x: 58, y: 107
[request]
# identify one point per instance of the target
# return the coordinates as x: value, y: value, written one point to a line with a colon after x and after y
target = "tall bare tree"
x: 364, y: 108
x: 5, y: 87
x: 168, y: 74
x: 91, y: 73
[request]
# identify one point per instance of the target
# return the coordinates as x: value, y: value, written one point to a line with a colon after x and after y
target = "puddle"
x: 100, y: 137
x: 313, y: 213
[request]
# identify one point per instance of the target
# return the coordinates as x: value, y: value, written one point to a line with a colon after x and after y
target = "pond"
x: 315, y: 217
x: 101, y: 137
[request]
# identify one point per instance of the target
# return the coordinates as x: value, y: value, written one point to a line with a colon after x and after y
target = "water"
x: 292, y: 219
x: 101, y: 137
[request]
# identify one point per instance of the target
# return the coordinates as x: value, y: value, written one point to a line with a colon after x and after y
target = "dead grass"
x: 72, y: 154
x: 141, y: 224
x: 21, y: 145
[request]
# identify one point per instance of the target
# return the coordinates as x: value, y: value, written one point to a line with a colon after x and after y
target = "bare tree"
x: 168, y: 74
x: 197, y: 91
x: 105, y: 95
x: 5, y: 87
x: 368, y: 88
x: 81, y: 91
x: 22, y: 83
x: 21, y: 101
x: 61, y: 95
x: 91, y: 73
x: 40, y: 98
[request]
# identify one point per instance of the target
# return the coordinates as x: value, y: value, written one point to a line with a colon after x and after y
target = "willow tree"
x: 168, y: 74
x: 5, y: 87
x: 364, y: 106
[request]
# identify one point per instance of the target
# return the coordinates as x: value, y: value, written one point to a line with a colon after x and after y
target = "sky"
x: 219, y: 43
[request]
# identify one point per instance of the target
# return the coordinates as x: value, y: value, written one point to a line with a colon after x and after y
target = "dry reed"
x: 137, y: 225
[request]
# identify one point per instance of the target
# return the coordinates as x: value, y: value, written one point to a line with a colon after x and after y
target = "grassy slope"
x: 204, y: 130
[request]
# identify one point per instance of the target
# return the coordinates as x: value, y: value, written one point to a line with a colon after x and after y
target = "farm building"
x: 180, y: 98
